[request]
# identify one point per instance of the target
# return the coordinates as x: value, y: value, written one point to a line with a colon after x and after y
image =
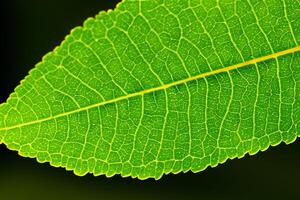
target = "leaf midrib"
x: 161, y: 87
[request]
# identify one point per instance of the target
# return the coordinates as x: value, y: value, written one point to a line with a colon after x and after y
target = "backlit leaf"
x: 162, y: 86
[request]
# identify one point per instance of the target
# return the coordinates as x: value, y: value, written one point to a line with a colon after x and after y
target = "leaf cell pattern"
x: 147, y: 90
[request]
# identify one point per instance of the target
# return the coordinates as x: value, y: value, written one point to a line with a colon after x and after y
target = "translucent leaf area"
x: 162, y: 86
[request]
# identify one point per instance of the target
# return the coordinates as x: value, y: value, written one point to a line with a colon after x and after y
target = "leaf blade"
x: 99, y: 139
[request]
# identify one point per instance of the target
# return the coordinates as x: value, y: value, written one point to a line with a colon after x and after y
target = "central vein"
x: 162, y: 87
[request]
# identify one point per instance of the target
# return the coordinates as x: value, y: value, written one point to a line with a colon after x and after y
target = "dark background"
x: 30, y: 29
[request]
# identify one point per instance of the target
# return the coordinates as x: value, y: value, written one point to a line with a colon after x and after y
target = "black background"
x: 30, y: 29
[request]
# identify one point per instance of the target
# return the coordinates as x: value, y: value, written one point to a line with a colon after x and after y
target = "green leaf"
x: 158, y: 87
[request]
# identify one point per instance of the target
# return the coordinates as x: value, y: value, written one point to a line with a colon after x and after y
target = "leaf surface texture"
x: 157, y: 87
